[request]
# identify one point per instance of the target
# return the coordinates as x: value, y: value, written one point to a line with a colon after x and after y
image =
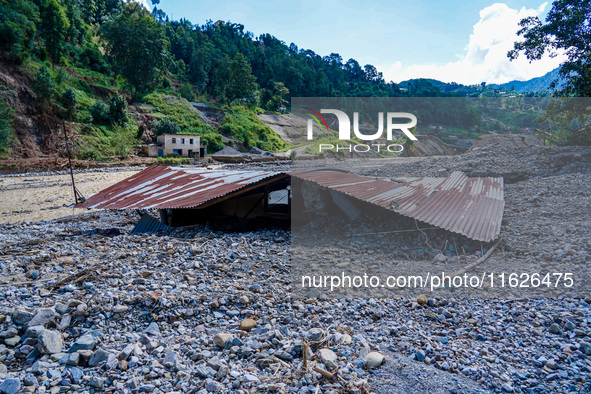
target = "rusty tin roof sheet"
x: 176, y: 187
x: 469, y: 206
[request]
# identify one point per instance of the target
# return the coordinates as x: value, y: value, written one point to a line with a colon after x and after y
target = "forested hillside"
x: 114, y: 74
x: 93, y: 62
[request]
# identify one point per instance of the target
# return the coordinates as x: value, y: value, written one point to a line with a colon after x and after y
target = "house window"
x: 174, y: 140
x: 191, y: 141
x: 182, y: 140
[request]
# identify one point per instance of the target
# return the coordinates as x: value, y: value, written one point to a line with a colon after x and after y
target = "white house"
x: 185, y: 145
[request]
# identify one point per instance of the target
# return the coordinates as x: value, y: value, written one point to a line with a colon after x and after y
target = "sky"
x: 463, y: 41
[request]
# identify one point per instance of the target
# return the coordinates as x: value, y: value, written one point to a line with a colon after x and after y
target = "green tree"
x: 99, y: 111
x: 18, y: 28
x: 242, y: 83
x: 165, y: 126
x: 44, y: 86
x: 280, y: 92
x: 117, y: 108
x: 70, y: 102
x: 54, y: 26
x: 138, y: 45
x: 566, y: 29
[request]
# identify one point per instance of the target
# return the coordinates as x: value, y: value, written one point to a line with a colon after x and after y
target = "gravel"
x: 204, y: 311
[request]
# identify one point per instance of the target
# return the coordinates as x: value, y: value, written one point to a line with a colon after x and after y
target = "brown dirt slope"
x: 292, y: 129
x: 33, y: 127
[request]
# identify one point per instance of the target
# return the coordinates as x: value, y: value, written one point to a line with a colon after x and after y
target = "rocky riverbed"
x: 203, y: 311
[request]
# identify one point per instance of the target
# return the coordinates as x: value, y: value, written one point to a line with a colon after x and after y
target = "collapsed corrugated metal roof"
x: 177, y: 187
x: 469, y: 206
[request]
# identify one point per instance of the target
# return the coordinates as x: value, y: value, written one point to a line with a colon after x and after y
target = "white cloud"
x: 143, y: 2
x: 485, y: 57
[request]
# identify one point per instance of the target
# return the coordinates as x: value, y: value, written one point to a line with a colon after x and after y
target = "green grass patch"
x: 182, y: 113
x: 243, y: 124
x: 171, y: 160
x: 105, y: 142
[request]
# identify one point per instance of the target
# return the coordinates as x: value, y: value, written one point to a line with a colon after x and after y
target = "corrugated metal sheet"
x: 177, y: 187
x: 469, y: 206
x: 149, y: 225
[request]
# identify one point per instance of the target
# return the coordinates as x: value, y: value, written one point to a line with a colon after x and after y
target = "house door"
x: 160, y: 153
x: 190, y: 153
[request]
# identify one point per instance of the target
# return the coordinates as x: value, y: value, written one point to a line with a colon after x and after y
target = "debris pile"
x: 203, y: 311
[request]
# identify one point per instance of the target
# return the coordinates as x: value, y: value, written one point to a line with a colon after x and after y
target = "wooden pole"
x: 78, y: 198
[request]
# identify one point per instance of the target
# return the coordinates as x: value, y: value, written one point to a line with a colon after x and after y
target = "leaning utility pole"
x: 78, y: 197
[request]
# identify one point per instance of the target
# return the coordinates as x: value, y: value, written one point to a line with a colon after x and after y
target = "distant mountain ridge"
x: 536, y: 84
x: 531, y: 85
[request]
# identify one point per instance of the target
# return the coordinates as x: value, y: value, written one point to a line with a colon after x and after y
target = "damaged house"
x: 472, y: 207
x: 188, y: 196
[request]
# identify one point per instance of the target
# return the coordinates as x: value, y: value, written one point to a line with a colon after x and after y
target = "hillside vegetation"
x: 115, y: 74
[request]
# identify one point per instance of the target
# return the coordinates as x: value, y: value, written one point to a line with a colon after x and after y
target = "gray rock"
x: 97, y: 382
x: 132, y: 383
x: 126, y: 352
x: 34, y: 331
x: 133, y: 361
x: 76, y: 374
x: 10, y: 386
x: 373, y: 360
x: 222, y: 372
x: 250, y: 378
x: 554, y: 329
x: 202, y: 371
x: 328, y: 357
x: 50, y: 342
x: 212, y: 386
x: 440, y: 258
x: 98, y: 357
x: 222, y: 339
x: 170, y: 358
x: 43, y: 317
x: 12, y: 341
x: 21, y: 316
x: 111, y: 361
x: 120, y: 308
x: 87, y: 341
x: 214, y: 363
x: 30, y: 380
x: 40, y: 367
x: 315, y: 334
x: 153, y: 329
x: 71, y: 359
x: 420, y: 355
x: 65, y: 321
